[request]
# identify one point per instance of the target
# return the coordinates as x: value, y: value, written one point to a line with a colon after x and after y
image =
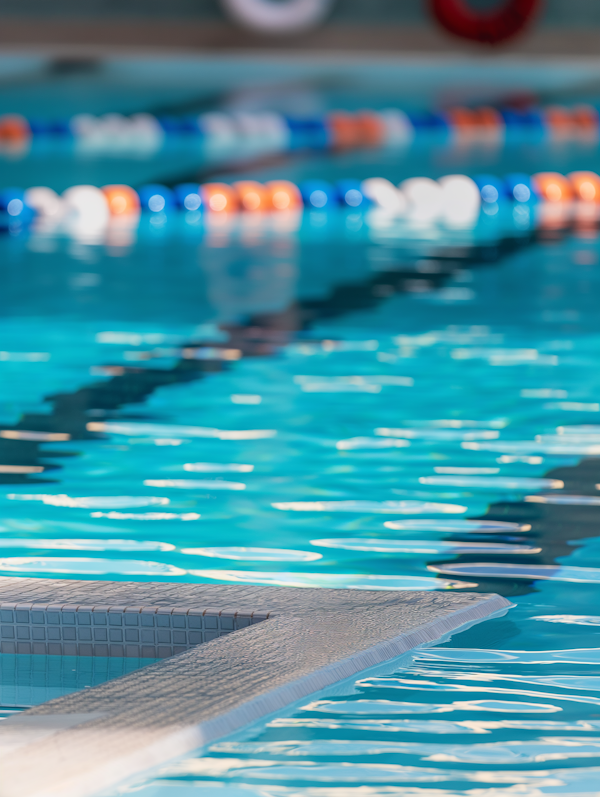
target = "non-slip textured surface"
x: 311, y: 640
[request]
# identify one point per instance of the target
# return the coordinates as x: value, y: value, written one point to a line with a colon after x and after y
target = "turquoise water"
x: 27, y: 681
x: 225, y: 452
x: 375, y: 408
x: 336, y: 404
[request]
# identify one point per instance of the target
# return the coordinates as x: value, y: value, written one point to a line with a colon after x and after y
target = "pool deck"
x: 71, y: 36
x: 295, y: 643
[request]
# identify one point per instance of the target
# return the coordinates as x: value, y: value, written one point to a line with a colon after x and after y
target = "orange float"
x: 284, y: 195
x: 14, y: 129
x: 560, y: 121
x: 15, y: 133
x: 552, y: 187
x: 219, y: 197
x: 252, y: 196
x: 489, y: 120
x: 122, y: 200
x: 586, y: 121
x: 478, y: 123
x: 344, y: 129
x: 463, y: 120
x: 586, y: 186
x: 371, y: 129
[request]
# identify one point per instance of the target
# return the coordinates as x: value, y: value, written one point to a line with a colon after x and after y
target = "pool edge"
x: 312, y: 640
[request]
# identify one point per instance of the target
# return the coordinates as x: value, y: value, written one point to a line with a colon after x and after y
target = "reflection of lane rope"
x: 492, y: 27
x: 284, y: 16
x: 262, y: 335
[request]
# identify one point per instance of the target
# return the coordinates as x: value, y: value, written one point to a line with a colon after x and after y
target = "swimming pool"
x: 510, y: 363
x: 329, y: 372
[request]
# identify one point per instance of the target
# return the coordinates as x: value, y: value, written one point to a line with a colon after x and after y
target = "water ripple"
x: 147, y: 515
x: 525, y: 752
x: 437, y: 727
x: 470, y: 471
x: 531, y: 447
x: 83, y: 566
x: 339, y: 387
x: 460, y: 526
x: 91, y: 502
x: 173, y: 431
x: 497, y: 482
x: 460, y: 423
x: 566, y: 682
x: 588, y: 429
x: 217, y: 467
x: 583, y: 575
x: 477, y: 656
x: 437, y: 434
x: 570, y: 619
x: 253, y: 554
x: 421, y: 546
x: 569, y: 500
x: 384, y: 507
x: 589, y: 683
x: 86, y: 545
x: 386, y: 707
x: 195, y: 484
x: 351, y: 384
x: 266, y: 769
x: 353, y: 443
x: 567, y: 439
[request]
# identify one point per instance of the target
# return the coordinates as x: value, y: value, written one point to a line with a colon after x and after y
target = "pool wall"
x: 149, y: 632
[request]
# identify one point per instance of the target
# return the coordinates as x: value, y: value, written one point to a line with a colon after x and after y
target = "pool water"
x: 335, y: 404
x: 445, y: 397
x: 509, y: 707
x: 27, y: 681
x: 232, y: 448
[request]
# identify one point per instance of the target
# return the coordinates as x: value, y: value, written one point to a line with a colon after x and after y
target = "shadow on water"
x: 553, y: 527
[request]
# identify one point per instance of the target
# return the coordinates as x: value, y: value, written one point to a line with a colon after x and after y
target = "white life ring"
x: 278, y: 16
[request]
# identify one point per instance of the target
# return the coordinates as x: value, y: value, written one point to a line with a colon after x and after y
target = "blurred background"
x: 391, y: 26
x: 290, y: 270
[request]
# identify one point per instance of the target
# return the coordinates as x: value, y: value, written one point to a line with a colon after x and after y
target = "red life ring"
x: 490, y: 27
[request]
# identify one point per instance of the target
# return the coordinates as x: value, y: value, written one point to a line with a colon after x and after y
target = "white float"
x: 425, y: 198
x: 46, y: 202
x: 461, y: 200
x: 384, y: 195
x: 87, y: 212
